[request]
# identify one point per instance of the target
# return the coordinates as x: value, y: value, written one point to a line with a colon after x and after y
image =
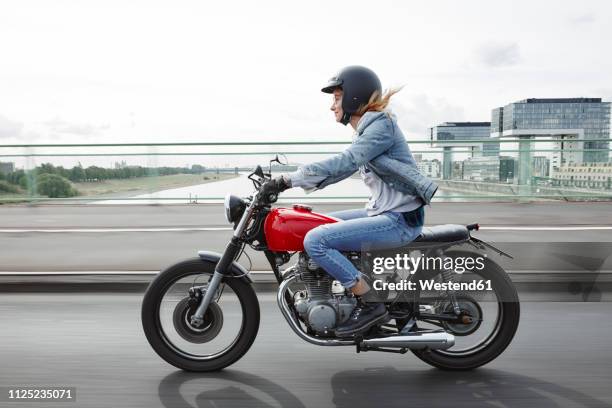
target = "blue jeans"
x: 357, y: 232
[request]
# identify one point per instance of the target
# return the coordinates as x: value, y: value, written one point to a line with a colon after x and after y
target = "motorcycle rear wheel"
x: 507, y: 321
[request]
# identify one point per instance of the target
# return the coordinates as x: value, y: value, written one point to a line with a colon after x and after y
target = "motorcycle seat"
x: 444, y: 233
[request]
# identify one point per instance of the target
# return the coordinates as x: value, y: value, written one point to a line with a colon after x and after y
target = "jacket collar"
x: 367, y: 119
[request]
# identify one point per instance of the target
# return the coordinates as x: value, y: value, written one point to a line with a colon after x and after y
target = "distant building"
x: 481, y: 169
x: 507, y: 169
x: 489, y: 169
x: 541, y: 166
x: 574, y: 120
x: 430, y: 168
x: 584, y: 175
x: 470, y: 135
x: 7, y: 167
x: 497, y: 121
x: 457, y: 170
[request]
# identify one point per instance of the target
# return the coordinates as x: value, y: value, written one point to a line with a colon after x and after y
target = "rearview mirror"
x: 277, y: 160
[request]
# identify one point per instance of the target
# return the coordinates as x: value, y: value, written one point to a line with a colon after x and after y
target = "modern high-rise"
x: 468, y: 136
x: 576, y: 123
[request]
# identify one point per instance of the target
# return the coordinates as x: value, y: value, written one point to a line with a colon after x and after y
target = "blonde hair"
x: 377, y: 101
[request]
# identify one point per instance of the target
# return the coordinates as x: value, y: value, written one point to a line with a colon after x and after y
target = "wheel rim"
x: 492, y: 318
x: 219, y: 340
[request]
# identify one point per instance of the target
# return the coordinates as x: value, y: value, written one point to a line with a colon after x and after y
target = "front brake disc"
x: 208, y: 330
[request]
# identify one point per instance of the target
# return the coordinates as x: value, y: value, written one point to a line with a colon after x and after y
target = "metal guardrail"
x: 531, y: 187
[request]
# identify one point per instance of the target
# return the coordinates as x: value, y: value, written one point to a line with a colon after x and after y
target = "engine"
x: 323, y: 304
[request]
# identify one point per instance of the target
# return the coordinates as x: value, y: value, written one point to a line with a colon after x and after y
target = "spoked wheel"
x: 229, y: 326
x: 486, y: 325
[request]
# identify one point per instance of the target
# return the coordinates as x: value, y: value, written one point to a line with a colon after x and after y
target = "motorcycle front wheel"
x: 230, y: 323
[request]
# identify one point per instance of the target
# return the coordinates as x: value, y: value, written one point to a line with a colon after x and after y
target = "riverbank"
x: 144, y: 185
x: 125, y: 188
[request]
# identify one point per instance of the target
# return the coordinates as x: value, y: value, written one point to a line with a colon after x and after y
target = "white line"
x: 191, y: 229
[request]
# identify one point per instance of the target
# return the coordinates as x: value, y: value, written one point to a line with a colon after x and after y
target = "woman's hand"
x: 275, y: 185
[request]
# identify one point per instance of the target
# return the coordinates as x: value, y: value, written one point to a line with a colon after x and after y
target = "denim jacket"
x: 379, y: 143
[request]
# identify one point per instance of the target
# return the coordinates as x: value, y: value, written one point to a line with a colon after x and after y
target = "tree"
x: 47, y: 168
x: 77, y: 174
x: 53, y: 186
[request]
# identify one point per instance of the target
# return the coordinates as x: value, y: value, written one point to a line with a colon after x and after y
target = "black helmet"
x: 358, y: 84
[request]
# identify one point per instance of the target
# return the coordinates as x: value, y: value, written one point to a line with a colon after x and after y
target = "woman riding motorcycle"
x: 394, y: 214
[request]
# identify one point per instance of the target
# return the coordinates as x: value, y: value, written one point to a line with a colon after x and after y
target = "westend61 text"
x: 413, y: 264
x: 432, y: 285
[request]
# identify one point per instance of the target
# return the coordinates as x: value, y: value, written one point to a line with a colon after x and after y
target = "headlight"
x: 234, y: 207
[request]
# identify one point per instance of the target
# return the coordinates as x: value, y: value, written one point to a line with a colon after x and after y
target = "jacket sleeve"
x: 298, y: 179
x: 407, y: 177
x: 374, y: 141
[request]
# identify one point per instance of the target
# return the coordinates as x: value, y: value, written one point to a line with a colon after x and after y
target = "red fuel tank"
x: 285, y: 228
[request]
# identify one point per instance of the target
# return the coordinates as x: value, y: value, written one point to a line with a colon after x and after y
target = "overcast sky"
x: 118, y: 71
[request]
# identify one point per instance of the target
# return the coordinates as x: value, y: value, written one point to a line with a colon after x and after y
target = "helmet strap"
x: 346, y: 118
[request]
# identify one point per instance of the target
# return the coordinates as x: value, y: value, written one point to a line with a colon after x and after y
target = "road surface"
x: 560, y: 358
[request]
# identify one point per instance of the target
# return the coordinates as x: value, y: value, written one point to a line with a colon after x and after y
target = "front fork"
x: 221, y: 269
x: 223, y: 266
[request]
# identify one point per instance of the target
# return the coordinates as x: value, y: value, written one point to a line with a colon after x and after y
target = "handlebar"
x: 259, y: 178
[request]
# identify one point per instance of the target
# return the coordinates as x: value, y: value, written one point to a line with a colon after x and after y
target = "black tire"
x: 152, y: 325
x: 509, y: 308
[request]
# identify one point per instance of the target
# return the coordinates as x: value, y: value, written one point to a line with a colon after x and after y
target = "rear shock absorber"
x: 447, y: 276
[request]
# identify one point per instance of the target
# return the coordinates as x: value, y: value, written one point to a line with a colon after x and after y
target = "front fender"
x: 235, y: 268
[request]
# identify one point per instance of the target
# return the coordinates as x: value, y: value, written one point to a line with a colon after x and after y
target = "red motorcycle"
x: 202, y: 314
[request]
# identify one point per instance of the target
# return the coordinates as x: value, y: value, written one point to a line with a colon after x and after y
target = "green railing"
x: 524, y: 171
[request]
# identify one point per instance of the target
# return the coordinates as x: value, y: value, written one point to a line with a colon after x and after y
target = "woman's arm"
x: 375, y: 140
x: 298, y: 179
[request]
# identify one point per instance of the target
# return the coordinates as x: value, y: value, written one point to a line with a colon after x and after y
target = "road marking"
x: 199, y: 229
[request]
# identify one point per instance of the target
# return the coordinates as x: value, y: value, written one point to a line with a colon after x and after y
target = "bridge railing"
x: 482, y: 169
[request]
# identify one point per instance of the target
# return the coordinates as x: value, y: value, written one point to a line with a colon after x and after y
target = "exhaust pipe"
x: 435, y: 340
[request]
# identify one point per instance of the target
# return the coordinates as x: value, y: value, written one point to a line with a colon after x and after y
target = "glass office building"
x: 449, y: 131
x: 497, y: 120
x: 451, y: 135
x: 574, y: 120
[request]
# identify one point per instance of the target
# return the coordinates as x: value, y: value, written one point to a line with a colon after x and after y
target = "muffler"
x: 434, y: 340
